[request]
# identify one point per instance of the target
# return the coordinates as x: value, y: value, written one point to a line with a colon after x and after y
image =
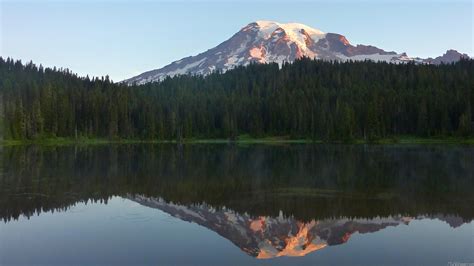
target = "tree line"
x: 308, y: 98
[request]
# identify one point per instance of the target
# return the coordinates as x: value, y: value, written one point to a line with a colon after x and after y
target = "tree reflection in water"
x: 285, y: 200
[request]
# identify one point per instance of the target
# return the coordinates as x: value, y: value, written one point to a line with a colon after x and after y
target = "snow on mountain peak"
x: 293, y: 30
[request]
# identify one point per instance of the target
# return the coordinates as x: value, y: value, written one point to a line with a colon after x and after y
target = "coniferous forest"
x: 306, y: 99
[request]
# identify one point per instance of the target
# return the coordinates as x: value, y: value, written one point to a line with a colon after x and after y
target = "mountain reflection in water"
x: 266, y: 237
x: 270, y: 201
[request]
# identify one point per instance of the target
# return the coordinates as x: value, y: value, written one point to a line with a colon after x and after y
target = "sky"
x: 125, y: 38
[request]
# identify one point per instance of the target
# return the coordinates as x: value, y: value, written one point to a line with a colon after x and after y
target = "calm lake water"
x: 236, y: 205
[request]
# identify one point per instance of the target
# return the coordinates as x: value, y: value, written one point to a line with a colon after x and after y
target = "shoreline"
x: 242, y: 140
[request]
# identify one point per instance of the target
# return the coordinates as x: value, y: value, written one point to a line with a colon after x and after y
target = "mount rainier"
x: 273, y: 42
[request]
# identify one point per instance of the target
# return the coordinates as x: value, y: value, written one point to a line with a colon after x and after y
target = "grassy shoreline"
x: 240, y: 140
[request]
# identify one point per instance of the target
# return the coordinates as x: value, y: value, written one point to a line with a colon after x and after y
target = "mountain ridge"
x: 265, y: 41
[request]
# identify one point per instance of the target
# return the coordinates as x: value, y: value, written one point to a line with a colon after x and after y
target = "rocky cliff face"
x: 450, y: 56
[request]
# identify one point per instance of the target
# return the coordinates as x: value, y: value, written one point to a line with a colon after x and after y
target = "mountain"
x: 268, y: 41
x: 450, y: 56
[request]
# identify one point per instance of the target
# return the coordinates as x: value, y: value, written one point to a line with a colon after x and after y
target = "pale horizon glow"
x: 123, y: 39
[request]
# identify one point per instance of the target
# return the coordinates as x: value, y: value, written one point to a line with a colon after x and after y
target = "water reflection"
x: 266, y: 237
x: 270, y: 201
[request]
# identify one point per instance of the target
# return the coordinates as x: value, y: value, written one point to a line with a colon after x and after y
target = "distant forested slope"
x: 306, y: 99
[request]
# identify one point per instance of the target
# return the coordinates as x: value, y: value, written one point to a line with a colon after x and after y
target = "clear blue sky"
x: 125, y: 38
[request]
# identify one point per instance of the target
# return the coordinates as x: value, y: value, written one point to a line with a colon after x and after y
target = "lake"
x: 223, y: 204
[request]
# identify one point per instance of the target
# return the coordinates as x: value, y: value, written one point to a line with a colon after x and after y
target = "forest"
x: 306, y: 99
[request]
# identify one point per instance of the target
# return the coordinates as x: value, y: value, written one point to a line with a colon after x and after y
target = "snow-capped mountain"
x: 268, y: 41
